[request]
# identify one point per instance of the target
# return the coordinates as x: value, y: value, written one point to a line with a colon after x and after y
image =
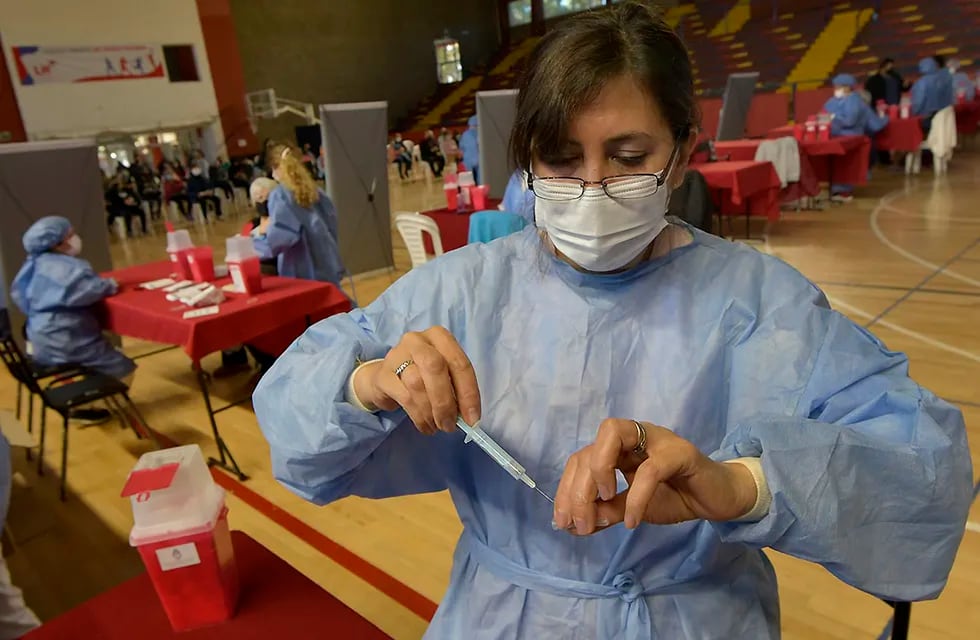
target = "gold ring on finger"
x: 641, y: 440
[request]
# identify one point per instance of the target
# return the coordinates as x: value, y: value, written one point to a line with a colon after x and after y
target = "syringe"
x: 497, y: 453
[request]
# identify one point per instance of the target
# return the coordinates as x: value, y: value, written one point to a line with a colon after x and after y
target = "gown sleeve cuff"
x: 351, y: 394
x: 763, y: 498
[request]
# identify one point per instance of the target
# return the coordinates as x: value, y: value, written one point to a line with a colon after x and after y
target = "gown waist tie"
x: 623, y: 610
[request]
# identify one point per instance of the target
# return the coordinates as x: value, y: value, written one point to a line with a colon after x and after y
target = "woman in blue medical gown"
x: 58, y: 292
x: 762, y: 417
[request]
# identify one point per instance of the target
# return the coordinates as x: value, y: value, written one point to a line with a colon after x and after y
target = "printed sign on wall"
x: 59, y: 65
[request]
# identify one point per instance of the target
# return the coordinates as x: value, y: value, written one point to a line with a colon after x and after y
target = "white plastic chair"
x: 411, y: 226
x: 941, y: 141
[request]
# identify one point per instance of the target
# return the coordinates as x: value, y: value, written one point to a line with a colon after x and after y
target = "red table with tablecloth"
x: 268, y: 321
x: 276, y: 601
x: 839, y: 160
x: 900, y: 134
x: 454, y: 226
x: 745, y: 150
x: 742, y: 188
x: 967, y: 117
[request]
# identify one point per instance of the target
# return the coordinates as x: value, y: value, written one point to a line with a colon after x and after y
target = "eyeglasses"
x: 623, y: 187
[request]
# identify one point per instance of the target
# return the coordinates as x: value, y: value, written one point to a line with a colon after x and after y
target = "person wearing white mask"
x: 740, y: 411
x: 57, y: 290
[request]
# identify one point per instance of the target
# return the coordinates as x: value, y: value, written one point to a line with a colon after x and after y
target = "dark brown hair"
x: 571, y: 64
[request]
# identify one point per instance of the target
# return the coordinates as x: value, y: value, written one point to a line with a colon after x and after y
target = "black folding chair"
x: 66, y: 392
x: 38, y: 372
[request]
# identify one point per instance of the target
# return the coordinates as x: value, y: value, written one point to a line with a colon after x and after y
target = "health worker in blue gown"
x: 852, y: 116
x: 58, y: 291
x: 932, y: 92
x: 741, y: 411
x: 301, y: 230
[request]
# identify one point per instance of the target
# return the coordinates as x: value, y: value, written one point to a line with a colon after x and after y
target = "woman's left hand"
x: 669, y: 482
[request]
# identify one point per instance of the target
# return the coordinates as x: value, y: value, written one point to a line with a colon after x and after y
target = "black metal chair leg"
x: 40, y: 448
x: 20, y: 389
x: 30, y: 419
x: 148, y: 432
x: 119, y: 412
x: 900, y: 622
x: 64, y: 460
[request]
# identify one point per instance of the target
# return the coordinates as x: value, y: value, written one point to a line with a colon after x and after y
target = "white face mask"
x: 839, y: 93
x: 74, y: 245
x: 600, y: 233
x: 196, y: 171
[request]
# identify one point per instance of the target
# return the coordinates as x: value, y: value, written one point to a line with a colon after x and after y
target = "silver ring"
x: 641, y: 440
x: 400, y: 369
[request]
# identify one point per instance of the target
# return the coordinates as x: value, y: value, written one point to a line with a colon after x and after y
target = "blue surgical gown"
x: 932, y: 92
x: 853, y: 117
x: 963, y: 82
x: 303, y: 240
x: 732, y: 349
x: 518, y: 198
x: 469, y: 145
x: 58, y: 294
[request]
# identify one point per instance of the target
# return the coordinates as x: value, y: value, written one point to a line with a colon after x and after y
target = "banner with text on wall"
x: 60, y: 65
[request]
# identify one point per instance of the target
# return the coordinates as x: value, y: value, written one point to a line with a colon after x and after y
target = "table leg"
x: 224, y: 452
x: 748, y: 214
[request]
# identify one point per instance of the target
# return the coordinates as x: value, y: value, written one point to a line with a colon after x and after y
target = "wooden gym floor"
x: 903, y: 259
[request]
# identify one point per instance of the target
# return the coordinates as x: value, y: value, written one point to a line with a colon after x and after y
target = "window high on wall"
x: 449, y: 63
x: 519, y: 12
x: 555, y: 8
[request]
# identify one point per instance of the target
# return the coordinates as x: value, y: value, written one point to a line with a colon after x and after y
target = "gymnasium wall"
x: 331, y: 51
x: 85, y: 109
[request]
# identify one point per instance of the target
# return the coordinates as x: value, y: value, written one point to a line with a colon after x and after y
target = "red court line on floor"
x: 394, y: 589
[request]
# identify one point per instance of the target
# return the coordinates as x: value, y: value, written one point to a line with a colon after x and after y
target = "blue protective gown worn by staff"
x: 853, y: 117
x: 304, y: 241
x: 518, y: 198
x: 732, y: 349
x: 933, y: 91
x: 58, y: 294
x: 469, y: 146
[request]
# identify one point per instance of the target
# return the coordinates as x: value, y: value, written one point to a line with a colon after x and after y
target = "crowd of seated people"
x: 436, y: 152
x: 181, y: 182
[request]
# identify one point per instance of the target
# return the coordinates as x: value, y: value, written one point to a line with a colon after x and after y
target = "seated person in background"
x: 852, y: 116
x: 301, y: 230
x: 448, y: 148
x: 201, y: 191
x: 241, y: 173
x: 235, y: 360
x: 218, y: 173
x: 962, y: 84
x: 259, y: 194
x: 931, y: 93
x: 58, y: 291
x: 123, y: 201
x: 402, y: 157
x: 173, y: 188
x: 432, y: 154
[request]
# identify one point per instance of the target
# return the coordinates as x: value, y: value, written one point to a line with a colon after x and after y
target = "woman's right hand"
x: 434, y: 389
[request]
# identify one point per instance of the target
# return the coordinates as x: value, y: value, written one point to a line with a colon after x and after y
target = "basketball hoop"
x: 265, y: 104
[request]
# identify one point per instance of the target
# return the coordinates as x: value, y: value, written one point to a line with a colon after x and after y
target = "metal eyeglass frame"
x: 661, y: 177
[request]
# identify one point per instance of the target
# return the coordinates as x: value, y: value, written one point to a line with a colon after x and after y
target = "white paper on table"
x: 157, y: 284
x: 203, y: 311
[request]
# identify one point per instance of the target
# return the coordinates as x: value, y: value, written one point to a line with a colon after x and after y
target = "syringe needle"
x: 546, y: 496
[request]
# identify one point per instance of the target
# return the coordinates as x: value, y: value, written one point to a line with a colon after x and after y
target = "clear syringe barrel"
x: 495, y: 451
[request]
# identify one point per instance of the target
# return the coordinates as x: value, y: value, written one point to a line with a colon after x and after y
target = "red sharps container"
x: 181, y: 532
